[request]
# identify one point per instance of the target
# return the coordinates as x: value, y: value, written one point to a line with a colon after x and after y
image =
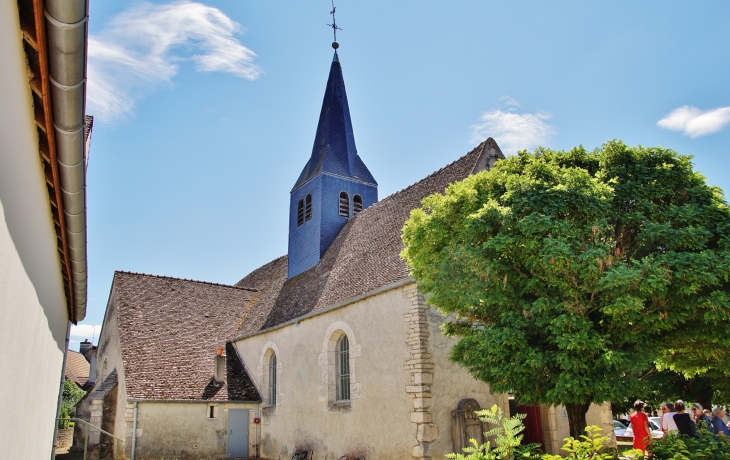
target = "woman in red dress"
x: 640, y: 425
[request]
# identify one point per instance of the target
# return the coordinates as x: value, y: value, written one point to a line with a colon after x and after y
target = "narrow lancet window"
x: 342, y: 362
x: 344, y: 204
x: 300, y: 213
x: 356, y: 204
x: 308, y: 207
x: 272, y: 380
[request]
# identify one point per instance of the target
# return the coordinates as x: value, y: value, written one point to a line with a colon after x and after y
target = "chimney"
x: 84, y: 347
x: 219, y: 368
x: 92, y: 366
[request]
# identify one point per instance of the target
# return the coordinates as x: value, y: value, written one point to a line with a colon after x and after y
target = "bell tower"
x: 335, y: 184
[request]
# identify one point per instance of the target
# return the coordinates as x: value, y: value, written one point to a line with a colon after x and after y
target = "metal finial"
x: 335, y: 45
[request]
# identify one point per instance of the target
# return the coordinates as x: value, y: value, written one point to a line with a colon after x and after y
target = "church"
x: 327, y: 352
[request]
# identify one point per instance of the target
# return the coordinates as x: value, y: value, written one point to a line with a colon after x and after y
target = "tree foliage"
x: 565, y: 275
x: 72, y: 394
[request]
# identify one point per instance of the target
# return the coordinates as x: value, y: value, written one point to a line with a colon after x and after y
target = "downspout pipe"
x: 60, y: 390
x: 134, y: 433
x: 66, y: 22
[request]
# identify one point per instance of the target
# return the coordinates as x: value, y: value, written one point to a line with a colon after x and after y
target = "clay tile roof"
x: 169, y: 331
x: 77, y: 368
x: 365, y: 255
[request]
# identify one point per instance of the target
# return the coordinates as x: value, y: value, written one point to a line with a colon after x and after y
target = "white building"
x: 43, y: 145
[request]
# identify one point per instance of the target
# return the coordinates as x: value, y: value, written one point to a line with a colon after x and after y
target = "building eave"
x: 33, y: 19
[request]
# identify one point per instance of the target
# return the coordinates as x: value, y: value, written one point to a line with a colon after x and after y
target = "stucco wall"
x: 377, y: 422
x: 32, y: 301
x: 451, y: 384
x: 182, y: 430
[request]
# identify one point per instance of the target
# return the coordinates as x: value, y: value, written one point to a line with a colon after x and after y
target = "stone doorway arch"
x: 466, y: 424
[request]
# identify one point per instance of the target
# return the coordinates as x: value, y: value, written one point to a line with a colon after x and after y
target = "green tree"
x: 566, y: 274
x: 72, y: 394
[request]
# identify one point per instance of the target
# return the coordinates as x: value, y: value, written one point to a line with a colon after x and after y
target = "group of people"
x: 675, y: 418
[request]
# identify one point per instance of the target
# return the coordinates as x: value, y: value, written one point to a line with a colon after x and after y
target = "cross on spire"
x: 335, y: 45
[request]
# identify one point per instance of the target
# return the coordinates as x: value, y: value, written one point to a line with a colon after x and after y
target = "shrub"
x: 678, y: 447
x: 506, y: 436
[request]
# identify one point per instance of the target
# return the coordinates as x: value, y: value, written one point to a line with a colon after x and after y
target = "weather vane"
x: 335, y: 45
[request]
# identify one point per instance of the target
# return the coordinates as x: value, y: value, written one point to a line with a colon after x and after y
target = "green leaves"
x: 569, y: 273
x: 505, y: 434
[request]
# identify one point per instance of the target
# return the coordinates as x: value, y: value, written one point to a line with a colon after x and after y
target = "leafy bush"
x: 506, y: 436
x: 587, y: 447
x: 72, y: 394
x: 678, y: 447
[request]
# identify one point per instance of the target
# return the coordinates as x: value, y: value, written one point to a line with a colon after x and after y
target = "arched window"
x: 342, y: 363
x: 356, y: 204
x: 272, y: 379
x: 300, y: 213
x: 308, y: 207
x: 344, y: 204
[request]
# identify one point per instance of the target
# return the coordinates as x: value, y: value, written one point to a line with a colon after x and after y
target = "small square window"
x: 212, y: 411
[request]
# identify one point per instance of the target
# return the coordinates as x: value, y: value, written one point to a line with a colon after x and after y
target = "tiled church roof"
x: 365, y: 255
x: 169, y: 330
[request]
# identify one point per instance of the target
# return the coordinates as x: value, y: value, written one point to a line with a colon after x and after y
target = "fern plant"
x: 587, y: 447
x: 506, y: 436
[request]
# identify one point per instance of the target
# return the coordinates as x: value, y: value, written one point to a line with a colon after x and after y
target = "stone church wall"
x: 404, y: 389
x: 377, y: 420
x: 184, y: 430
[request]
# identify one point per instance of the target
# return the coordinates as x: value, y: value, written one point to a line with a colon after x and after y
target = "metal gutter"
x: 349, y: 301
x: 134, y: 433
x: 66, y: 29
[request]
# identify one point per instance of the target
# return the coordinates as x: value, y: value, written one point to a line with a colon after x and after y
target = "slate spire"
x: 334, y: 150
x: 334, y: 186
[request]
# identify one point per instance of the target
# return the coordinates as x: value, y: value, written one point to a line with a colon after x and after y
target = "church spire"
x: 334, y: 150
x: 335, y: 185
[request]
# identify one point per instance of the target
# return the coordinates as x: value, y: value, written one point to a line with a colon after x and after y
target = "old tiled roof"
x: 77, y: 368
x: 169, y: 331
x: 365, y: 255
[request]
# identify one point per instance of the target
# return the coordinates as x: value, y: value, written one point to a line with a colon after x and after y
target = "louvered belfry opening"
x: 300, y: 212
x: 344, y: 204
x: 308, y: 207
x: 356, y: 204
x: 343, y: 369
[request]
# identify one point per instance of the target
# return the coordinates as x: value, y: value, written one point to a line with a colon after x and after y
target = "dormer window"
x: 344, y: 204
x: 308, y: 207
x: 356, y: 204
x: 300, y: 213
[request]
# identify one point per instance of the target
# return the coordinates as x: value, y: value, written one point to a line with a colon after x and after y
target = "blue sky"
x: 206, y: 112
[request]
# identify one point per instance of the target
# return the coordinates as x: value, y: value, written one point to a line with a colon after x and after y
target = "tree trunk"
x: 704, y: 397
x: 577, y: 418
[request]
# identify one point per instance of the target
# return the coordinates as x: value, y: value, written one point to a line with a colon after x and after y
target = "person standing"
x: 685, y: 424
x: 702, y: 420
x: 640, y: 425
x: 720, y: 428
x: 668, y: 418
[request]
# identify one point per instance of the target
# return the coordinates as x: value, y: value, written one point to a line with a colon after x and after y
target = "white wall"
x: 378, y: 420
x: 32, y: 301
x: 182, y: 430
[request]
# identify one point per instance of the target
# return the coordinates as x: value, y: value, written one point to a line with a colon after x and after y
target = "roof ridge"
x: 481, y: 144
x: 186, y: 279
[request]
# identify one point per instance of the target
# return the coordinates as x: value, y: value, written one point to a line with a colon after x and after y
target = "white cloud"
x: 509, y: 102
x: 143, y: 46
x: 85, y: 331
x: 513, y: 131
x: 694, y: 122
